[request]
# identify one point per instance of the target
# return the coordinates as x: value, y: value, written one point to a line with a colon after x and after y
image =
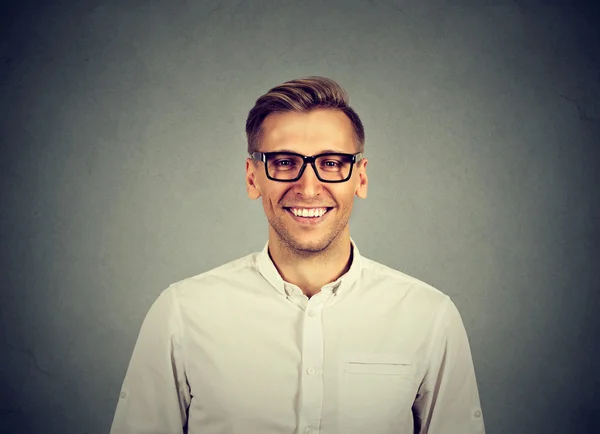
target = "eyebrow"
x: 324, y: 151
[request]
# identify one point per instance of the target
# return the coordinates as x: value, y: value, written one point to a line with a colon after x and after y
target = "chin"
x: 309, y: 244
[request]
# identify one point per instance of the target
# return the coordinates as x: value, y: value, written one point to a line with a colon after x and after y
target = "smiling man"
x: 307, y: 210
x: 306, y: 336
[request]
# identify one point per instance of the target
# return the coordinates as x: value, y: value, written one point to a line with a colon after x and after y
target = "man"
x: 306, y: 336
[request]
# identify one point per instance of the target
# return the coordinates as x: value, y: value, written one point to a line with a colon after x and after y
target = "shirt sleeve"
x: 155, y: 395
x: 448, y: 401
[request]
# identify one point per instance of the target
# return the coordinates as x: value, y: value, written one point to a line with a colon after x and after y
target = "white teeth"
x: 313, y: 212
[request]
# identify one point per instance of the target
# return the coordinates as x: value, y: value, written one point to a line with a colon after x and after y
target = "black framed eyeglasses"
x: 289, y: 166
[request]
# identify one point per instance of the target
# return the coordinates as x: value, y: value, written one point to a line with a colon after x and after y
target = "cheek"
x: 345, y: 197
x: 266, y: 203
x: 271, y: 199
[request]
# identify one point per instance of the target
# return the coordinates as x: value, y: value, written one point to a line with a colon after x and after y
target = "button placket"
x: 312, y: 360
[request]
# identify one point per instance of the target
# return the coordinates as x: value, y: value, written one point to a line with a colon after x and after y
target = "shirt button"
x: 310, y: 372
x: 308, y: 429
x: 123, y: 395
x: 477, y: 413
x: 311, y: 313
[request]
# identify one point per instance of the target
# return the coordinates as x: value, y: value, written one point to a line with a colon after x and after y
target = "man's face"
x: 309, y: 134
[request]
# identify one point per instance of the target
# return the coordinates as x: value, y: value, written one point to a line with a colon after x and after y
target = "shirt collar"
x: 267, y: 269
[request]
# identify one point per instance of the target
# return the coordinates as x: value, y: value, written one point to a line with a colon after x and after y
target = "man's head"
x: 309, y: 117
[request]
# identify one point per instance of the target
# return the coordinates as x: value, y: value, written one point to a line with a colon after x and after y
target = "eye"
x: 331, y: 163
x: 283, y: 162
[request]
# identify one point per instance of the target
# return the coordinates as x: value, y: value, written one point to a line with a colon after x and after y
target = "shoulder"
x: 215, y: 284
x: 230, y: 272
x: 413, y: 297
x: 399, y: 285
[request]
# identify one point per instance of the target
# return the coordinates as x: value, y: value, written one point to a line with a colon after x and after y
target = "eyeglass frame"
x: 262, y: 156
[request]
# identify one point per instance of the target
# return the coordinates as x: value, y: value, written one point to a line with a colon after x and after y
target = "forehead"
x: 308, y: 133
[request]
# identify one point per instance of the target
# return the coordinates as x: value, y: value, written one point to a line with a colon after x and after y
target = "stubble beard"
x: 316, y: 244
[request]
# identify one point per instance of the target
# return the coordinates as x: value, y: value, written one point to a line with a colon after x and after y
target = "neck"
x: 310, y: 272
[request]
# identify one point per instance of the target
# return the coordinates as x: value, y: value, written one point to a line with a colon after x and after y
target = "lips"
x: 308, y: 220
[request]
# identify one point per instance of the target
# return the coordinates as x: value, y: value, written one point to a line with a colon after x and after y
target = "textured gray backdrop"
x: 122, y: 170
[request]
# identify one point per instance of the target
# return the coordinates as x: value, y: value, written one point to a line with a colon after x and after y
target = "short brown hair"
x: 301, y: 95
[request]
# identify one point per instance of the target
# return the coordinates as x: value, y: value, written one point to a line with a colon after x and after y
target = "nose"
x: 308, y: 184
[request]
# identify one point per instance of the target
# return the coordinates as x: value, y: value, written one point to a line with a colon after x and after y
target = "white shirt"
x: 237, y: 350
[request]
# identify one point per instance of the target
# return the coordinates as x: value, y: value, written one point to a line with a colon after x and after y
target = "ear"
x: 252, y: 187
x: 363, y: 183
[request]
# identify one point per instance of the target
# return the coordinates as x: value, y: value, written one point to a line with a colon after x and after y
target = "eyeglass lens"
x: 332, y: 167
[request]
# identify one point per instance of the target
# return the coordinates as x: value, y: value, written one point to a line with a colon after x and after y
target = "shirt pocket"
x: 375, y: 393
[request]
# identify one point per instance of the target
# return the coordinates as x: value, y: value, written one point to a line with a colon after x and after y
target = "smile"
x: 308, y: 215
x: 308, y: 212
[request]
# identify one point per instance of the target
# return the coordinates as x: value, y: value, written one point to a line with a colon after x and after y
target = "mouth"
x: 308, y: 216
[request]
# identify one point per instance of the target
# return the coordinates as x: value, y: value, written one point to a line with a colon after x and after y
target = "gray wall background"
x: 122, y: 170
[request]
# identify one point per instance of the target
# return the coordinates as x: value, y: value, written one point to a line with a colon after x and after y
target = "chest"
x: 343, y: 370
